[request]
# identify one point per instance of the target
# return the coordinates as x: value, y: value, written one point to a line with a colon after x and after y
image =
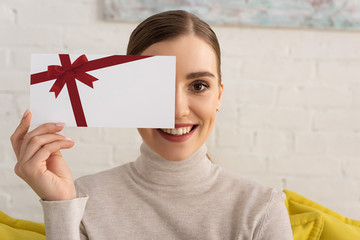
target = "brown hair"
x: 169, y: 25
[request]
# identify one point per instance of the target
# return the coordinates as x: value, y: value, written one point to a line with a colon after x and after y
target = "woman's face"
x: 197, y: 97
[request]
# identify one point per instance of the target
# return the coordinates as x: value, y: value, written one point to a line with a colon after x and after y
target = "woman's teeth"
x: 176, y: 131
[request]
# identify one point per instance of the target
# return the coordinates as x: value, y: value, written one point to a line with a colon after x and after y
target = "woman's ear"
x: 221, y: 89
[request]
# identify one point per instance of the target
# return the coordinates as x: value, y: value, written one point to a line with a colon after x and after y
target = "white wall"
x: 290, y: 116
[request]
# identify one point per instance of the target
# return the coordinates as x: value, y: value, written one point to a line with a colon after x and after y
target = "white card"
x: 137, y: 93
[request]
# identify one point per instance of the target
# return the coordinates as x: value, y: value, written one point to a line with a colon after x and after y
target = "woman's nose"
x: 181, y: 104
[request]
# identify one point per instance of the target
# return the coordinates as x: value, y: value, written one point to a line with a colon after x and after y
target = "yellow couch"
x: 309, y: 221
x: 17, y: 229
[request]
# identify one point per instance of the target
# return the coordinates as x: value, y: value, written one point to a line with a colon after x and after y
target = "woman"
x: 172, y: 191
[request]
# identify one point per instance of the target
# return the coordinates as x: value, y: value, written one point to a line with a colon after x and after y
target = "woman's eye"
x: 199, y: 86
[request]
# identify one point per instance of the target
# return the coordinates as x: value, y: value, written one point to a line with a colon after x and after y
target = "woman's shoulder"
x: 251, y: 190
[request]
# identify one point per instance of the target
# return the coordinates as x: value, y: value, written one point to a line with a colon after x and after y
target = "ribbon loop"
x: 79, y: 61
x: 55, y: 71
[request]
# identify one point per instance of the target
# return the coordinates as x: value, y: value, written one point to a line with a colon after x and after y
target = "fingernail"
x: 26, y: 113
x: 68, y: 139
x: 60, y: 124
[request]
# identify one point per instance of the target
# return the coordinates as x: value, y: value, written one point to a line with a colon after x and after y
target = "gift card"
x: 103, y: 90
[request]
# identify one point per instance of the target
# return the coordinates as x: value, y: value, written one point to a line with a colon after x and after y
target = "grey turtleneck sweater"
x: 153, y: 198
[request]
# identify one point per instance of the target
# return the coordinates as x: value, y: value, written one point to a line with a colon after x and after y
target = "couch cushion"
x: 311, y: 221
x: 11, y: 228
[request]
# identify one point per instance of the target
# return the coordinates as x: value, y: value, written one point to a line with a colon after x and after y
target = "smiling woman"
x: 198, y: 79
x: 172, y: 190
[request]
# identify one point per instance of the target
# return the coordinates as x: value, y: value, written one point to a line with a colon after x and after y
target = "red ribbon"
x: 68, y: 72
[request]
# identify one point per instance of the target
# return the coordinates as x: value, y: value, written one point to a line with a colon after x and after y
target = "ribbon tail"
x: 76, y: 102
x: 58, y: 86
x: 87, y: 79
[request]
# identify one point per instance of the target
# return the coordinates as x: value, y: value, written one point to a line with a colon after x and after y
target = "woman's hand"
x: 39, y: 161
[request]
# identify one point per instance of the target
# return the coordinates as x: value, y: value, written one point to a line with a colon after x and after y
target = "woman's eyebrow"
x: 199, y: 75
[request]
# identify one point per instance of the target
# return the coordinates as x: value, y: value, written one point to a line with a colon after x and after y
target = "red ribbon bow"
x: 68, y: 72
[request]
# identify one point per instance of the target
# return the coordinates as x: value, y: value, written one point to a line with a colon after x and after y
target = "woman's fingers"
x: 46, y: 128
x: 37, y: 143
x: 50, y: 148
x: 36, y: 166
x: 19, y: 133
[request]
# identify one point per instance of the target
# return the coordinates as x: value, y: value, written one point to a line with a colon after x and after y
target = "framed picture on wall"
x: 321, y: 14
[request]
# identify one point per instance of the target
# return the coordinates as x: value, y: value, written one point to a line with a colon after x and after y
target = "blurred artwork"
x: 323, y: 14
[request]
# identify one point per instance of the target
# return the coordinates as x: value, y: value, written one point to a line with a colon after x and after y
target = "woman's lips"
x: 178, y: 138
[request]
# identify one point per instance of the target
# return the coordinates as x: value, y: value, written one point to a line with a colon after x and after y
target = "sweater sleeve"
x: 62, y: 218
x: 276, y: 222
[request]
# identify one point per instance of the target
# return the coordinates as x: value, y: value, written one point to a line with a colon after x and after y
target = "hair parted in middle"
x: 170, y: 25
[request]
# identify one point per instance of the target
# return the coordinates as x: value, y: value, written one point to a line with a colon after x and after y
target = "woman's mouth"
x: 180, y: 133
x: 176, y: 131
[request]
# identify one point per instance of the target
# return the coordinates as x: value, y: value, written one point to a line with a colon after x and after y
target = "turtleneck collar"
x: 154, y: 169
